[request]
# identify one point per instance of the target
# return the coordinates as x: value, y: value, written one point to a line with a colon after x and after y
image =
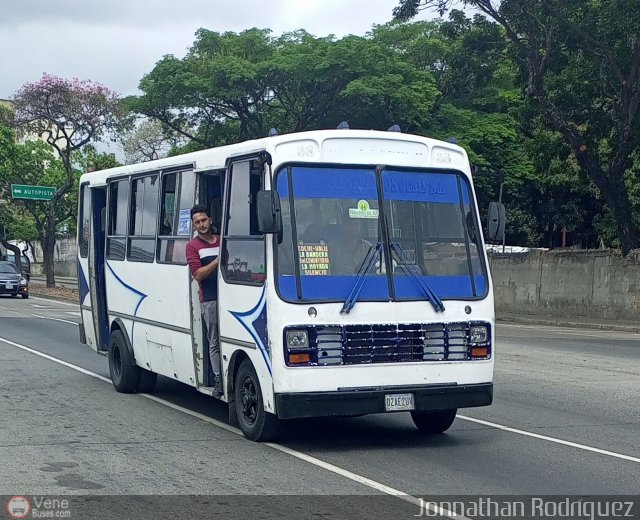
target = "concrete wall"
x: 598, y: 284
x: 593, y: 284
x: 60, y: 268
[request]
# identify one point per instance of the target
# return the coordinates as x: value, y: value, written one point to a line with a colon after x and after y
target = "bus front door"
x: 97, y: 266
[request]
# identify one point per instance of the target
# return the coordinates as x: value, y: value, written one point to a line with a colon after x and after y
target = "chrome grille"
x: 397, y: 343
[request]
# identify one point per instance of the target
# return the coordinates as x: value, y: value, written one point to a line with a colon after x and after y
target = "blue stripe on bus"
x: 350, y: 183
x: 255, y: 323
x: 376, y: 288
x: 82, y: 283
x: 330, y: 183
x: 133, y: 290
x: 143, y: 296
x: 423, y: 187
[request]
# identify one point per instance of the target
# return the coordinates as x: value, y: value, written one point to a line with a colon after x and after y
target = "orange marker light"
x: 297, y: 359
x: 479, y: 352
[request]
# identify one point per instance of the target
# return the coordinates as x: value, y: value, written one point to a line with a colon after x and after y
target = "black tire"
x: 124, y: 373
x: 256, y: 424
x: 146, y: 381
x: 433, y: 423
x: 25, y: 296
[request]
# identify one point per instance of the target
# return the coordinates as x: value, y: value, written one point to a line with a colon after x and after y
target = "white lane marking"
x: 10, y: 310
x: 73, y: 313
x: 579, y: 334
x: 299, y: 455
x: 55, y: 360
x: 550, y: 439
x: 38, y: 306
x: 54, y: 319
x: 383, y: 488
x: 330, y: 467
x: 38, y: 316
x: 565, y: 330
x: 51, y: 300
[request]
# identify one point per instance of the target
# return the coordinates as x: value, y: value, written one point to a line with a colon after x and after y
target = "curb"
x: 620, y: 327
x: 524, y: 320
x: 53, y: 298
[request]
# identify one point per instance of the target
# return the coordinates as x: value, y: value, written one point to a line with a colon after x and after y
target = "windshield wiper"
x: 411, y: 269
x: 363, y: 271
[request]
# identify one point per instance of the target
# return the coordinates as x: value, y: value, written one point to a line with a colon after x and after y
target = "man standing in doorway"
x: 203, y: 254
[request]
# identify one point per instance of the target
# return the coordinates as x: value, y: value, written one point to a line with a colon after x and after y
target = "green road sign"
x: 20, y: 191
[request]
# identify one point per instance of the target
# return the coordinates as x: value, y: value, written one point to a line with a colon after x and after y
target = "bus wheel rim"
x: 249, y: 400
x: 117, y: 362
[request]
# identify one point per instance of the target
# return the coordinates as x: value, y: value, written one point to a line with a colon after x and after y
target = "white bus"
x: 353, y: 277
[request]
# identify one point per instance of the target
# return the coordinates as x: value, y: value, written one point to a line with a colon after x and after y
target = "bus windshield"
x: 332, y: 219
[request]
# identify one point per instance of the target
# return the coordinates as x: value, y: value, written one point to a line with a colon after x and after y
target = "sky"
x: 115, y: 42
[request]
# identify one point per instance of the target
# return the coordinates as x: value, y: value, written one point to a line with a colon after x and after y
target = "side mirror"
x: 496, y: 221
x: 268, y: 209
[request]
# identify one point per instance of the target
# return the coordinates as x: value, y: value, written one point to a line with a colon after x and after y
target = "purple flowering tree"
x: 67, y: 114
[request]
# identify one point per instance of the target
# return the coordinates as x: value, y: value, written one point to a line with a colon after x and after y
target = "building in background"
x: 23, y: 137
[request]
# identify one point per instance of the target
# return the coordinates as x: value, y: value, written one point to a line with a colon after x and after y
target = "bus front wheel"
x: 256, y: 424
x: 124, y: 373
x: 432, y: 423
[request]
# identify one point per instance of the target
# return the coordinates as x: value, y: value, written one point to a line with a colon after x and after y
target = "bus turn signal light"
x: 479, y: 352
x: 299, y: 359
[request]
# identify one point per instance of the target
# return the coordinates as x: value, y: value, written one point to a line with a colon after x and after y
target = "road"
x: 565, y: 420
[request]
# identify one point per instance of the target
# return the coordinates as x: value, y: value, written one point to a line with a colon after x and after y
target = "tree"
x: 223, y: 78
x: 478, y: 103
x: 68, y: 115
x: 31, y: 163
x: 580, y: 63
x: 231, y: 87
x: 148, y: 141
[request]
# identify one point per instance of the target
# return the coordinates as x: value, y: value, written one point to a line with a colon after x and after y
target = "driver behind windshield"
x: 349, y: 248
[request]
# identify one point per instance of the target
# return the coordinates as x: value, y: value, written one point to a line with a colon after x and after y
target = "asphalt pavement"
x: 565, y: 420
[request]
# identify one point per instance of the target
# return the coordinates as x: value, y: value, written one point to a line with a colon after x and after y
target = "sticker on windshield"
x: 314, y: 259
x: 363, y: 211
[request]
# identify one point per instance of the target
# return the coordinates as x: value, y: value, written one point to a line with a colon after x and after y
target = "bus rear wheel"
x: 433, y: 423
x: 256, y: 424
x: 124, y: 373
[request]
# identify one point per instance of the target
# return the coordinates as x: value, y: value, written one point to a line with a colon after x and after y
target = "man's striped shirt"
x: 200, y: 253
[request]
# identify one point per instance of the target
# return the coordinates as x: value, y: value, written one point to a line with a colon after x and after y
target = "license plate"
x: 398, y: 402
x: 8, y: 286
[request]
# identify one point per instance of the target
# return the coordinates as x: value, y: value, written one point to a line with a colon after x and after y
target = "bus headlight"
x: 297, y: 339
x: 479, y: 334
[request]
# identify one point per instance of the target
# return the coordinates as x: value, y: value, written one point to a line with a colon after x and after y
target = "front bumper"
x: 367, y: 401
x: 16, y: 289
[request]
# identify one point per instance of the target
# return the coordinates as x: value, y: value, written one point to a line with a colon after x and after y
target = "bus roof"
x: 334, y: 146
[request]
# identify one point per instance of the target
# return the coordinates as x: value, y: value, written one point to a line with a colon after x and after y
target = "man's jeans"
x: 210, y: 315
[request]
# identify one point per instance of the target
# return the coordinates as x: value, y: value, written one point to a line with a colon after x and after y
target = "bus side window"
x: 117, y: 219
x: 176, y: 200
x: 85, y: 215
x: 243, y: 260
x: 142, y: 219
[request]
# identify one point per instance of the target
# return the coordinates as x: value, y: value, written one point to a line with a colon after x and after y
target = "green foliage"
x: 533, y: 92
x: 223, y: 77
x: 31, y: 163
x: 579, y: 61
x: 89, y: 159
